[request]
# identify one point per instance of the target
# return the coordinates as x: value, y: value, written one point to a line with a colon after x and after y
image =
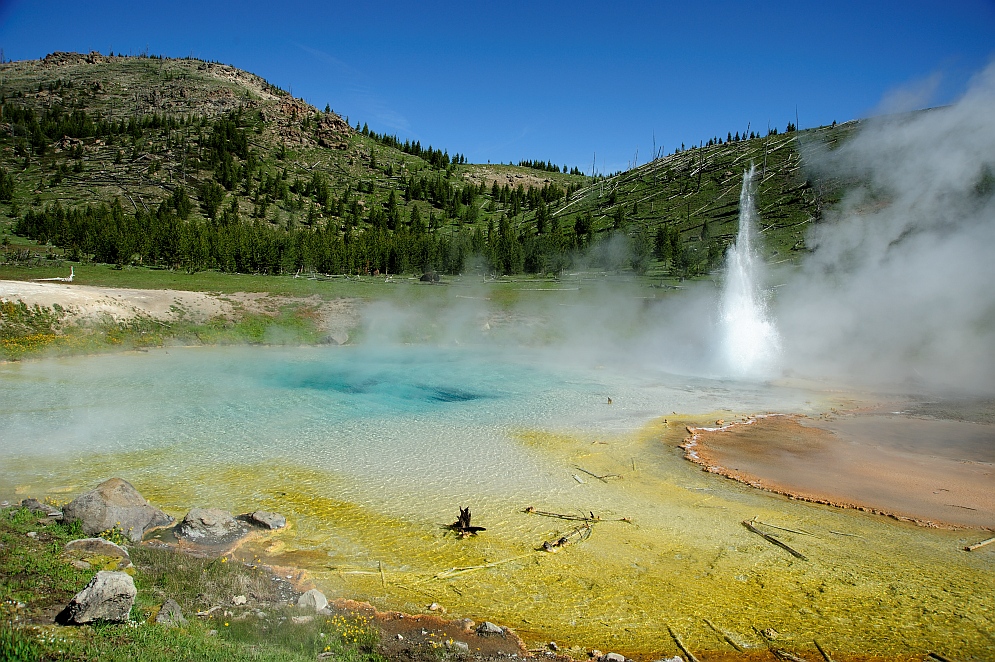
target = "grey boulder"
x: 108, y: 597
x: 170, y: 614
x: 487, y: 628
x: 210, y: 526
x: 266, y: 520
x: 115, y: 503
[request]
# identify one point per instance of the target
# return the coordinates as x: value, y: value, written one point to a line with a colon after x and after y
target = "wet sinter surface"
x: 370, y: 453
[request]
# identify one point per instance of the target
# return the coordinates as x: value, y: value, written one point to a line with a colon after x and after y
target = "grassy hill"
x: 197, y: 165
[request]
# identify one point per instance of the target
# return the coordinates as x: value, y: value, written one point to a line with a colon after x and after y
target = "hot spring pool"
x: 369, y: 453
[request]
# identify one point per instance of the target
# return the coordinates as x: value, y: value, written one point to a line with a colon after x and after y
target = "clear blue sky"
x: 556, y: 81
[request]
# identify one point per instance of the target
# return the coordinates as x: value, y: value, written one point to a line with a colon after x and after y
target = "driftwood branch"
x: 774, y: 541
x: 785, y: 655
x: 726, y: 636
x: 781, y: 528
x: 822, y: 650
x: 462, y: 524
x: 603, y: 479
x: 453, y: 572
x: 531, y: 510
x: 979, y: 545
x: 680, y: 644
x: 580, y: 533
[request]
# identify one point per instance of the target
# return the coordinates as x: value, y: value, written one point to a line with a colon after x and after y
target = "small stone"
x: 300, y: 620
x: 553, y: 647
x: 266, y: 520
x: 400, y: 637
x: 487, y: 628
x: 595, y: 653
x: 210, y: 526
x: 613, y: 657
x: 108, y: 597
x: 36, y: 506
x: 32, y: 534
x: 238, y: 600
x: 80, y: 565
x: 435, y: 606
x: 460, y: 646
x: 313, y: 600
x: 170, y: 614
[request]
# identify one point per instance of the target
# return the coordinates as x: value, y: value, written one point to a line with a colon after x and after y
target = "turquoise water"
x: 398, y: 420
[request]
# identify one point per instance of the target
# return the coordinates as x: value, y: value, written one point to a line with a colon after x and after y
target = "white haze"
x: 901, y: 284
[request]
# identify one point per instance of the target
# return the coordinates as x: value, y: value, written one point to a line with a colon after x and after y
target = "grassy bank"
x: 37, y: 579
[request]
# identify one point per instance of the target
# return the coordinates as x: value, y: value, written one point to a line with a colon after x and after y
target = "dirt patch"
x: 935, y: 473
x: 85, y: 302
x: 512, y: 179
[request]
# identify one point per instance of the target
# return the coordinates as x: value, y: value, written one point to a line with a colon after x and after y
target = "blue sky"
x: 558, y: 81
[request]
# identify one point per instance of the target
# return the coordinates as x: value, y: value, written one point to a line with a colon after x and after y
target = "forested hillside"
x: 185, y: 164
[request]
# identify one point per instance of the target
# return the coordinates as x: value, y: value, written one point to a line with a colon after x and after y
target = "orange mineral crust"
x: 933, y: 472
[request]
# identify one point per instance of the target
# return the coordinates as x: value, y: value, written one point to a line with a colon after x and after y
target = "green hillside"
x: 180, y: 163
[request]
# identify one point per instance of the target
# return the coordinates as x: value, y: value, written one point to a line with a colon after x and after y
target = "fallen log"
x: 582, y: 532
x: 531, y: 510
x: 782, y: 654
x: 822, y: 650
x: 726, y: 636
x: 774, y: 541
x: 680, y: 644
x: 603, y: 479
x: 979, y: 545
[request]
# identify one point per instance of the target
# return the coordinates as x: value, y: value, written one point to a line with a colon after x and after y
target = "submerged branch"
x: 680, y: 644
x: 771, y: 539
x: 603, y: 479
x: 531, y: 510
x: 725, y: 635
x: 453, y: 572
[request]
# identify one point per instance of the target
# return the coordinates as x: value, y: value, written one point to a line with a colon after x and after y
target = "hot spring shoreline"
x: 708, y: 447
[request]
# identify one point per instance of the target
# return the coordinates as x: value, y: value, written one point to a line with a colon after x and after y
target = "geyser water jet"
x: 750, y: 341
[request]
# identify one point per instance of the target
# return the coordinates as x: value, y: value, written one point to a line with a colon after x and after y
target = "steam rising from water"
x: 898, y: 287
x: 750, y: 340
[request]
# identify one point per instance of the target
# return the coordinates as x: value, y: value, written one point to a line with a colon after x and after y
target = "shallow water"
x: 369, y: 453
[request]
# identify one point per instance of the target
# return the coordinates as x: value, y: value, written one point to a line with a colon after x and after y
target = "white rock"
x: 313, y: 600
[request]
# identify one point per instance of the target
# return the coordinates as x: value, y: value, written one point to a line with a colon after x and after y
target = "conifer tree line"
x: 428, y: 222
x: 418, y: 219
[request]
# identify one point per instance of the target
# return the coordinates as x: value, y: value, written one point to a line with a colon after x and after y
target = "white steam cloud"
x: 901, y: 284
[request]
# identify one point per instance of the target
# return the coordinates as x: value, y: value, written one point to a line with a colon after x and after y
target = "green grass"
x: 36, y: 573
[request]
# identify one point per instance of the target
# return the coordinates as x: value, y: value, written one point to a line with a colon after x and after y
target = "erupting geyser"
x: 750, y: 341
